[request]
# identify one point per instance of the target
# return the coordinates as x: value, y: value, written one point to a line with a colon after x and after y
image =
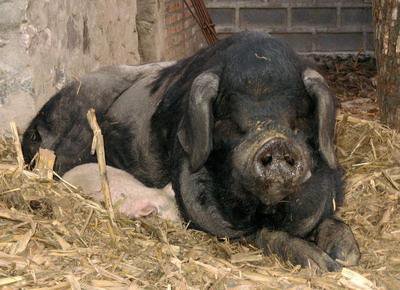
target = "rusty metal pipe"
x: 203, y: 19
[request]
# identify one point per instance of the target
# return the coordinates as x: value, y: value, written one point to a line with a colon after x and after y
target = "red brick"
x: 171, y: 30
x: 183, y: 36
x: 169, y: 19
x: 175, y: 28
x: 187, y: 13
x: 179, y: 26
x: 188, y: 34
x: 174, y: 6
x: 172, y: 18
x: 176, y: 39
x: 187, y: 23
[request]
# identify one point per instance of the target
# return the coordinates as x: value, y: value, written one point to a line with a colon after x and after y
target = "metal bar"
x: 203, y: 19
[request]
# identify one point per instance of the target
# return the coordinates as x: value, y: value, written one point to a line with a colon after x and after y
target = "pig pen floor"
x: 53, y: 238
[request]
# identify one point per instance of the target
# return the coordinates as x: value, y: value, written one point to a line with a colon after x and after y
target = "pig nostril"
x: 289, y: 160
x: 266, y: 160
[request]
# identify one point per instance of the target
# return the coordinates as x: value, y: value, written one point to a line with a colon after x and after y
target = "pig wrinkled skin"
x: 129, y: 196
x: 244, y: 131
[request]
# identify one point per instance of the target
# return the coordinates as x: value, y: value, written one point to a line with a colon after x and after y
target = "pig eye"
x: 293, y: 127
x: 228, y: 127
x: 226, y: 131
x: 34, y: 137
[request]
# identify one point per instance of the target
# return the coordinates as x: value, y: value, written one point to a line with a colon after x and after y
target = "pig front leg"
x: 308, y: 217
x: 314, y: 202
x: 337, y: 240
x: 295, y: 250
x: 195, y: 195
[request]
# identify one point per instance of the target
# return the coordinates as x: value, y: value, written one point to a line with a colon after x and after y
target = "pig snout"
x: 156, y: 201
x: 129, y: 196
x: 271, y: 163
x: 280, y: 161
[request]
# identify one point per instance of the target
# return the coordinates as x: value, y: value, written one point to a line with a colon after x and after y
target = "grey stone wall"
x: 151, y: 28
x: 309, y: 26
x: 44, y: 44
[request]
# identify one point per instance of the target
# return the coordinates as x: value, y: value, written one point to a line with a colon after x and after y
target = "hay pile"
x: 53, y: 238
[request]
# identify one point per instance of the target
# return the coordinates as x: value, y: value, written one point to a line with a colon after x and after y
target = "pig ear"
x: 317, y: 87
x: 195, y: 129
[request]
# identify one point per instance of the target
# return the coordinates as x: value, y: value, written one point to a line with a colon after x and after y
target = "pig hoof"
x: 296, y: 251
x: 336, y: 239
x: 309, y: 256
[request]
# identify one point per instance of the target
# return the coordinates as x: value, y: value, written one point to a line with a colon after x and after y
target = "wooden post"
x: 18, y: 149
x: 98, y: 147
x: 44, y: 164
x: 387, y: 52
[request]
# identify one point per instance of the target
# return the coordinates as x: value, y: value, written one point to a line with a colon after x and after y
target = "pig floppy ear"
x: 317, y: 87
x: 195, y: 129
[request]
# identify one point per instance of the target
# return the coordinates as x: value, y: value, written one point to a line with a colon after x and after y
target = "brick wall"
x: 309, y: 26
x: 183, y: 36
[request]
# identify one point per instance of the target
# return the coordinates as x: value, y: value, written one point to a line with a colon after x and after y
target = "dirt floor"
x: 53, y: 238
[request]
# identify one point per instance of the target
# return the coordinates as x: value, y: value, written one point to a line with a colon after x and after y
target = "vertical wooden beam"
x: 98, y: 147
x: 387, y: 51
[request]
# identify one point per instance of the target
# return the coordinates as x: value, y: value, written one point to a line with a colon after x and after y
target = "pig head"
x: 258, y: 122
x: 243, y: 129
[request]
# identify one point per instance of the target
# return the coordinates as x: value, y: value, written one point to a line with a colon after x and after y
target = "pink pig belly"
x: 129, y: 196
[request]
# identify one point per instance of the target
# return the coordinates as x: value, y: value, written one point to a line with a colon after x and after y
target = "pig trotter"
x: 336, y: 238
x: 295, y: 250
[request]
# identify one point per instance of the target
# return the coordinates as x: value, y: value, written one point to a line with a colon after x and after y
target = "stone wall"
x: 151, y: 28
x: 43, y: 44
x: 309, y: 26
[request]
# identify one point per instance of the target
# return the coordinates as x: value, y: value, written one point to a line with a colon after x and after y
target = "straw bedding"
x: 52, y: 237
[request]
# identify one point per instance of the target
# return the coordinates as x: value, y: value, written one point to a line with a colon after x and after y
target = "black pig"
x: 244, y: 131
